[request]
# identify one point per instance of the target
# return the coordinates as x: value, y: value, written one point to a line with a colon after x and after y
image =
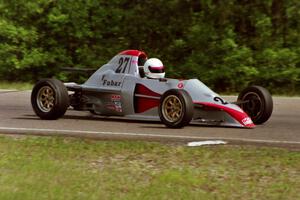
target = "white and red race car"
x: 119, y: 88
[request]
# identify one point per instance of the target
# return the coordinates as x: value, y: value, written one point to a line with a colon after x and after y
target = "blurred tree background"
x: 226, y: 44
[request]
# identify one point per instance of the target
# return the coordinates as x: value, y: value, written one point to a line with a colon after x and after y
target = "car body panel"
x: 119, y: 89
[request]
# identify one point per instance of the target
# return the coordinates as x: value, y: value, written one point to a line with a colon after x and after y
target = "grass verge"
x: 69, y: 168
x: 15, y: 85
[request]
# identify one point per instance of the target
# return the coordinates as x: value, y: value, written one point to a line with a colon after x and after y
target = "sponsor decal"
x: 118, y: 106
x: 110, y: 106
x: 115, y: 97
x: 115, y: 103
x: 247, y: 121
x: 180, y: 85
x: 135, y: 62
x: 111, y: 83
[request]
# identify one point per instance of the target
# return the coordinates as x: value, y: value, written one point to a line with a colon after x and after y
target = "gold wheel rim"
x: 172, y: 108
x: 45, y: 99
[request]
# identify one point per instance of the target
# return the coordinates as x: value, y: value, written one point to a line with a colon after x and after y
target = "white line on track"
x: 95, y: 133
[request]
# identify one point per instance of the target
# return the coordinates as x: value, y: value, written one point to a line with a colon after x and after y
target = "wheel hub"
x: 45, y: 99
x: 172, y: 108
x: 253, y: 106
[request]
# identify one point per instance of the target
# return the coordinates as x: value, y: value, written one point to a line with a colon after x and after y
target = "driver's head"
x: 154, y: 68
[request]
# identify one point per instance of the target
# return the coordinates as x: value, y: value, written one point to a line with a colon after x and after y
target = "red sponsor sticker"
x: 247, y: 121
x: 116, y: 97
x: 134, y: 62
x: 180, y: 85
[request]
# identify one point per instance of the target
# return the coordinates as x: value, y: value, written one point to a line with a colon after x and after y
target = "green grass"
x: 15, y: 85
x: 68, y: 168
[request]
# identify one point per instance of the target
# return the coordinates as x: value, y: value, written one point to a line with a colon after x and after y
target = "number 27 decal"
x: 123, y: 64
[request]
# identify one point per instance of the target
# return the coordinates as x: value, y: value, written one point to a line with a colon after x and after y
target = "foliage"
x: 227, y: 44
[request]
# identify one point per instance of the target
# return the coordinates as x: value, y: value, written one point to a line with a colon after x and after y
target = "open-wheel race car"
x: 123, y: 87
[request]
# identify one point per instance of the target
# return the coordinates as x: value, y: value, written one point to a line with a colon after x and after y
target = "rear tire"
x: 176, y: 108
x: 257, y: 102
x: 49, y: 99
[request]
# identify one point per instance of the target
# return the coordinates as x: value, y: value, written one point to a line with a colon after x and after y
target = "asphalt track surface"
x: 17, y: 117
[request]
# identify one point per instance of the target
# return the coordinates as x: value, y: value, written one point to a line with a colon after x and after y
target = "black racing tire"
x: 257, y: 102
x: 49, y: 99
x: 176, y: 108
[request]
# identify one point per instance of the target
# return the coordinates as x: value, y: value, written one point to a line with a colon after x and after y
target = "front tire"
x: 257, y: 102
x: 49, y: 99
x: 176, y: 108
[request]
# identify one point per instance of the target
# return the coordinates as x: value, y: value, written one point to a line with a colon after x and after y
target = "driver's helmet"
x: 154, y: 68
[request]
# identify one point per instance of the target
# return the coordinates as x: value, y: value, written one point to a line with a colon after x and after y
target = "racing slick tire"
x: 176, y: 108
x: 257, y: 102
x: 49, y: 99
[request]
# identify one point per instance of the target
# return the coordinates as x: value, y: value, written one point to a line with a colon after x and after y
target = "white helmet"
x: 154, y: 68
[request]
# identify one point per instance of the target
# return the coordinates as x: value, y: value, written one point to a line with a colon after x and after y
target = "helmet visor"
x: 160, y: 69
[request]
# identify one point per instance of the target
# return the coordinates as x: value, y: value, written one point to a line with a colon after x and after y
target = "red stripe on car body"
x: 142, y: 104
x: 141, y: 89
x: 241, y: 117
